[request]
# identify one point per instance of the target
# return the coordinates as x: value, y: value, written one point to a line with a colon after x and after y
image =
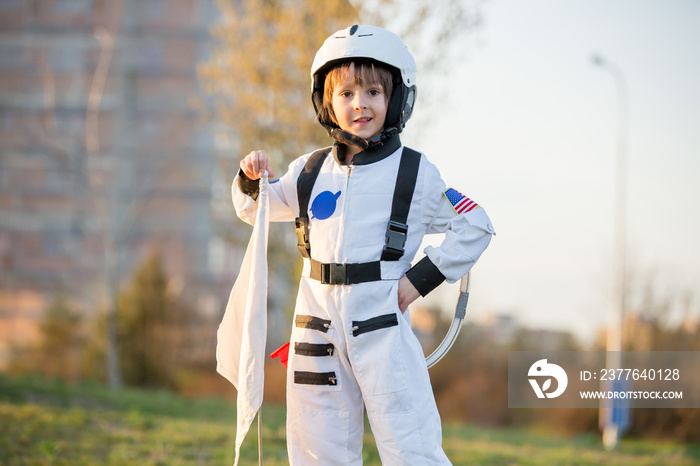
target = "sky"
x: 530, y: 133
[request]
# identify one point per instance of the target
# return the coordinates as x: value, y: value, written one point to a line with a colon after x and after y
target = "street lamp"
x: 614, y: 425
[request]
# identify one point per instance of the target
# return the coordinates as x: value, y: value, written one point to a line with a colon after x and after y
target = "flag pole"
x: 260, y: 454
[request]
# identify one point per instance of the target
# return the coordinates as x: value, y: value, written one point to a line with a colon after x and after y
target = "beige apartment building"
x: 103, y: 158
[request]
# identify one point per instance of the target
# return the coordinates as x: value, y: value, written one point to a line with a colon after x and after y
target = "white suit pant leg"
x: 406, y: 424
x: 324, y: 422
x: 323, y: 428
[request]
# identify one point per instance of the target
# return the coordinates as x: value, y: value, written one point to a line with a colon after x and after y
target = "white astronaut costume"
x: 350, y: 345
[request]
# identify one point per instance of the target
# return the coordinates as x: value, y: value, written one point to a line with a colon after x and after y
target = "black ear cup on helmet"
x: 317, y: 98
x: 409, y: 103
x: 400, y: 106
x: 394, y: 110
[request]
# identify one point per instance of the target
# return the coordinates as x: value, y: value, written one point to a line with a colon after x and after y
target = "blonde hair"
x: 363, y: 72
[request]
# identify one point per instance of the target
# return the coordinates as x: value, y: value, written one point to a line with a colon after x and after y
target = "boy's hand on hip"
x: 407, y: 293
x: 255, y: 163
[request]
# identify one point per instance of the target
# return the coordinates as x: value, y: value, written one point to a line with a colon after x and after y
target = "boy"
x: 362, y: 208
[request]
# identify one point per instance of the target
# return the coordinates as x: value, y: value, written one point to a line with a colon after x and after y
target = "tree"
x: 258, y: 80
x: 259, y: 71
x: 258, y: 74
x: 107, y: 191
x: 151, y: 328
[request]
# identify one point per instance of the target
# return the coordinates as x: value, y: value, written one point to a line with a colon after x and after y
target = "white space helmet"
x: 370, y: 43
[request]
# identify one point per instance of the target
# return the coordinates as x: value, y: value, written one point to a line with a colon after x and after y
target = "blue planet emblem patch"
x: 323, y: 205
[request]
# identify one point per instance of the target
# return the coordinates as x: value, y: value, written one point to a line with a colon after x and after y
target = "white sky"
x: 530, y: 134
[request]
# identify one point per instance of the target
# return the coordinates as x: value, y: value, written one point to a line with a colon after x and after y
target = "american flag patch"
x: 460, y: 202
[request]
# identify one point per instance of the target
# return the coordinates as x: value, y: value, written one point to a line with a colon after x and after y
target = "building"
x: 101, y: 156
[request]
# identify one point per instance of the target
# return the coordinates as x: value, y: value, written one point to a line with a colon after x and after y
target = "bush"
x: 59, y: 350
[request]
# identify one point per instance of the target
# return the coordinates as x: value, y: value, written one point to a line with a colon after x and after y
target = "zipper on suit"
x: 315, y: 323
x: 315, y: 378
x: 339, y: 249
x: 313, y: 349
x: 375, y: 323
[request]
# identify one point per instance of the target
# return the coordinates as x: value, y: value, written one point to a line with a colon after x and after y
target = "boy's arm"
x: 467, y: 231
x: 282, y: 195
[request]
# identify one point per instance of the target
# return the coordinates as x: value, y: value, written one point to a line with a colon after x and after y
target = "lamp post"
x: 614, y: 418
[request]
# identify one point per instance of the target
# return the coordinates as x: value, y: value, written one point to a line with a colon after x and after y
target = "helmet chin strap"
x: 349, y: 139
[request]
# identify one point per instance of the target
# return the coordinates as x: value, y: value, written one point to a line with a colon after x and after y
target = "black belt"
x: 345, y: 274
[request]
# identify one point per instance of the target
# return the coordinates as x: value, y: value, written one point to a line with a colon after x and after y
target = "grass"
x: 46, y: 422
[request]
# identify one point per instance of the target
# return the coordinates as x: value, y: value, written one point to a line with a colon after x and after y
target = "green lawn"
x: 50, y: 422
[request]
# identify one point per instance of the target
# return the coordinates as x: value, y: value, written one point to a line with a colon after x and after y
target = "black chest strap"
x: 397, y: 228
x: 305, y: 184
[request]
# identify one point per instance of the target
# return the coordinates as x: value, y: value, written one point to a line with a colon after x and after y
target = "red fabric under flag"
x: 283, y: 353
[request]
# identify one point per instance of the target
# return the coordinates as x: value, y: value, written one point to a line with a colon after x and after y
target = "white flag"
x: 240, y: 349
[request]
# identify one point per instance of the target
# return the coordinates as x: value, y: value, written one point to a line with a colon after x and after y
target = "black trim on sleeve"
x: 248, y: 186
x: 425, y: 276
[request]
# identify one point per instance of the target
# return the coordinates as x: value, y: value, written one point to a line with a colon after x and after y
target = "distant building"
x: 546, y: 340
x: 497, y: 328
x: 89, y: 160
x: 505, y: 330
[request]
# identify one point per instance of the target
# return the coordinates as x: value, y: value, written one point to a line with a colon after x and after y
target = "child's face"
x: 360, y: 108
